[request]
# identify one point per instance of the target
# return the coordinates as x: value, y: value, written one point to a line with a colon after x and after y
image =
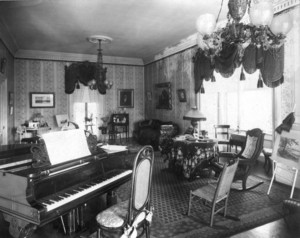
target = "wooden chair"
x: 215, y: 193
x: 222, y: 134
x: 248, y: 156
x: 133, y: 216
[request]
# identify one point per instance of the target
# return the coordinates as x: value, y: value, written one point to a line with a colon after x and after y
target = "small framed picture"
x: 125, y: 98
x: 42, y: 100
x: 181, y: 95
x: 149, y: 96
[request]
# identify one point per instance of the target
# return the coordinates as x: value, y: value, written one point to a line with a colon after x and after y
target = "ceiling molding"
x: 282, y: 5
x: 58, y: 56
x: 182, y: 45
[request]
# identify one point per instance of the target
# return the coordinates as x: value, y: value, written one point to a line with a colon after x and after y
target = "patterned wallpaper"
x: 9, y: 75
x: 177, y: 69
x: 48, y: 76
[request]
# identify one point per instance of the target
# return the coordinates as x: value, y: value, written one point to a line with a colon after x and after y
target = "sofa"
x: 148, y: 132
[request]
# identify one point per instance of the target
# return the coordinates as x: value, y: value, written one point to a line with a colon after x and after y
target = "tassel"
x: 242, y: 76
x: 202, y: 90
x: 260, y: 82
x: 213, y: 79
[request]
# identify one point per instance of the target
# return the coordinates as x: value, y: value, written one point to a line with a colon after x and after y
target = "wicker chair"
x: 215, y: 193
x: 133, y: 216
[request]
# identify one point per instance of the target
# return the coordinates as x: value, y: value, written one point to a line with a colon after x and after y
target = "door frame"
x: 3, y: 110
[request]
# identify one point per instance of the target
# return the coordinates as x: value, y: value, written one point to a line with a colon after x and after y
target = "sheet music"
x: 113, y: 148
x: 63, y: 146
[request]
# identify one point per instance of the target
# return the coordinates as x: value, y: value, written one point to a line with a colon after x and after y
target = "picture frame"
x: 181, y: 95
x: 287, y: 149
x: 149, y: 96
x: 163, y: 96
x: 126, y: 98
x: 42, y: 100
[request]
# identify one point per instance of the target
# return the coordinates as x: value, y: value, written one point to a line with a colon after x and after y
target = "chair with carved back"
x: 132, y: 217
x: 214, y: 193
x: 248, y: 156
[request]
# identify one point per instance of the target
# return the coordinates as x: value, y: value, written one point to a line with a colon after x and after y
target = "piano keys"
x: 33, y: 192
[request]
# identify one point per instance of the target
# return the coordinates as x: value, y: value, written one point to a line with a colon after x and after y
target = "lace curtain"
x: 95, y: 103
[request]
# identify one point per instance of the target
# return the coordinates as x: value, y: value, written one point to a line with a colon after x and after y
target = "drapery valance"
x: 270, y: 62
x: 82, y: 72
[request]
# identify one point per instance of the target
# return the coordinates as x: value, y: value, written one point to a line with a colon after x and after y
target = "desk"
x: 191, y: 158
x: 119, y: 124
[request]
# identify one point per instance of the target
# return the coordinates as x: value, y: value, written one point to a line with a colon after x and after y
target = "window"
x: 81, y: 111
x: 238, y: 103
x: 85, y: 103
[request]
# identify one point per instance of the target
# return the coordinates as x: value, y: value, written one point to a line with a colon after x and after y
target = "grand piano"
x: 36, y: 187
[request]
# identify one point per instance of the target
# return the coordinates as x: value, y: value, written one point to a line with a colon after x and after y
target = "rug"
x: 170, y: 195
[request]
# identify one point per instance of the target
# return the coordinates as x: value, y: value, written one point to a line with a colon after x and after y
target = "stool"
x: 268, y: 163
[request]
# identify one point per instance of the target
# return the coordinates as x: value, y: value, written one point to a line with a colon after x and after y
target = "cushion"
x: 114, y: 216
x: 250, y: 147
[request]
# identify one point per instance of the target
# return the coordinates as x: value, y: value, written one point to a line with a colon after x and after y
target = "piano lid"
x: 63, y: 146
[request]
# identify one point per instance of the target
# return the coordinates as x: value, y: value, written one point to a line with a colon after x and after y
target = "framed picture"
x: 287, y: 149
x: 149, y: 96
x: 181, y: 95
x: 163, y: 96
x: 42, y: 100
x: 125, y: 98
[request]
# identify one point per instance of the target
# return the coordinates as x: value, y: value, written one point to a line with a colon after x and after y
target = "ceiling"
x: 139, y: 28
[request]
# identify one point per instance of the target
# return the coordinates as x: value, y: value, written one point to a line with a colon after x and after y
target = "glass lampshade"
x: 195, y: 115
x: 261, y: 13
x: 206, y: 24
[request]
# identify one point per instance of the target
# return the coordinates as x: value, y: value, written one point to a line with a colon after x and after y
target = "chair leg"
x: 98, y: 233
x: 147, y: 228
x: 225, y: 208
x: 190, y: 203
x: 212, y: 214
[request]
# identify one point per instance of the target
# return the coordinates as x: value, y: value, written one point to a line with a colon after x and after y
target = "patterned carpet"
x: 170, y: 195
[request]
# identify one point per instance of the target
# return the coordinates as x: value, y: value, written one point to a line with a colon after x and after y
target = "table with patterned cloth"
x: 190, y: 158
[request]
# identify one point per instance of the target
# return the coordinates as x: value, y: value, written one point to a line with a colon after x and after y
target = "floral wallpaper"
x: 178, y: 70
x: 48, y: 76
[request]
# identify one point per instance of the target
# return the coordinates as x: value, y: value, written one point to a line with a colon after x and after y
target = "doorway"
x: 3, y: 110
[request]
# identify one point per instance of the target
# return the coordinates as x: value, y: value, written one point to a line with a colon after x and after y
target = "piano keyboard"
x: 79, y: 192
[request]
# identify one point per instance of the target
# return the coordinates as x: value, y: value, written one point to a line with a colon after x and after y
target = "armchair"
x: 247, y: 158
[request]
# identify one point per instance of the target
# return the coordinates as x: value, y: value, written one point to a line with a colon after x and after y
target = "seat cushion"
x: 114, y: 216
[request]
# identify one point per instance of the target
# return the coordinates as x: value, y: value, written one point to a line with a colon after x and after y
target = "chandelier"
x: 100, y: 82
x: 250, y: 29
x: 258, y: 27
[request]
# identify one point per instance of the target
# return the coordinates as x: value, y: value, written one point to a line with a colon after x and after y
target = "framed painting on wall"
x: 125, y: 98
x: 42, y: 100
x: 163, y: 96
x: 181, y: 95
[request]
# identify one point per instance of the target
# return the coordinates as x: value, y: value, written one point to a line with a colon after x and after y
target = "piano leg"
x: 19, y: 228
